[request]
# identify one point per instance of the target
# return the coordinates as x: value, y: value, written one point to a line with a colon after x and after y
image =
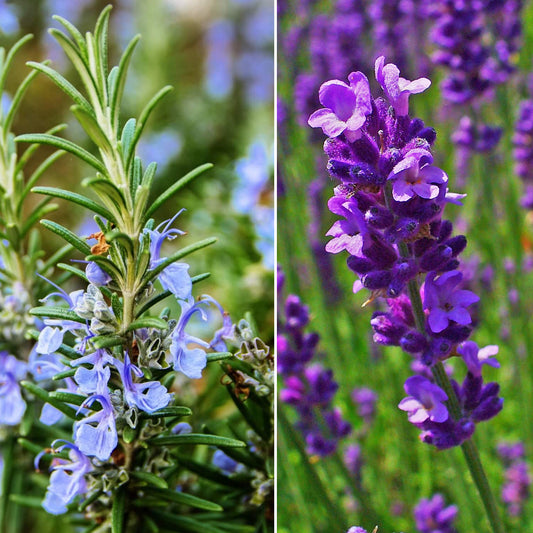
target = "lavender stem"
x: 469, y: 448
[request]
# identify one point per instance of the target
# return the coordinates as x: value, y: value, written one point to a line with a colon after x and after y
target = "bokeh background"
x: 478, y: 56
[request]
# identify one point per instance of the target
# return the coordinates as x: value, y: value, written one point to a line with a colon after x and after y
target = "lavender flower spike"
x: 424, y: 401
x: 346, y: 107
x: 432, y: 516
x: 398, y: 89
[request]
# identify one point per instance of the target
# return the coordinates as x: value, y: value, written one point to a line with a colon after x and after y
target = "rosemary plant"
x: 129, y: 463
x: 21, y: 257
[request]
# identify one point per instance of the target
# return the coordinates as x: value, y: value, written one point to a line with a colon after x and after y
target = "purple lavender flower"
x: 424, y: 401
x: 444, y: 303
x: 515, y: 490
x: 523, y: 150
x: 365, y: 399
x: 346, y: 107
x: 391, y: 200
x: 432, y: 516
x: 67, y: 480
x: 415, y: 176
x: 309, y: 389
x: 396, y: 88
x: 474, y: 357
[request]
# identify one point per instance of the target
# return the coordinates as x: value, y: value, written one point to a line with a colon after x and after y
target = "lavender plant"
x: 391, y: 199
x: 127, y: 459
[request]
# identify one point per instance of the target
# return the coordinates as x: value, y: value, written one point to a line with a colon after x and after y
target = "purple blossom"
x: 432, y: 516
x: 147, y: 396
x: 100, y: 440
x: 365, y: 399
x: 187, y: 352
x: 415, y: 176
x: 444, y: 303
x: 67, y: 480
x: 425, y: 401
x: 398, y: 89
x: 12, y: 405
x: 475, y: 357
x: 175, y: 277
x: 346, y: 107
x: 96, y: 275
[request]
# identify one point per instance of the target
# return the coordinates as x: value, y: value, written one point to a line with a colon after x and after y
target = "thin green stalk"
x: 469, y: 448
x: 333, y: 510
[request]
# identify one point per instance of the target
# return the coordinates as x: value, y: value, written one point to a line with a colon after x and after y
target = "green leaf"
x: 106, y: 341
x: 101, y: 38
x: 129, y: 434
x: 45, y: 397
x: 183, y: 498
x: 197, y: 438
x: 73, y: 270
x: 126, y: 139
x: 92, y: 498
x: 118, y: 510
x: 106, y: 190
x: 39, y: 211
x: 149, y: 478
x: 21, y: 91
x: 149, y: 175
x: 9, y: 58
x: 171, y: 191
x: 214, y: 474
x: 118, y: 87
x: 122, y: 239
x: 90, y: 124
x: 148, y: 322
x: 24, y: 158
x: 75, y: 198
x: 65, y: 374
x: 66, y: 234
x: 63, y: 144
x: 26, y: 501
x: 62, y: 313
x: 144, y: 116
x: 218, y: 356
x: 37, y: 173
x: 68, y: 397
x: 77, y: 36
x: 80, y: 60
x: 152, y: 274
x: 200, y: 277
x: 63, y: 84
x: 172, y: 411
x: 183, y: 523
x: 152, y: 301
